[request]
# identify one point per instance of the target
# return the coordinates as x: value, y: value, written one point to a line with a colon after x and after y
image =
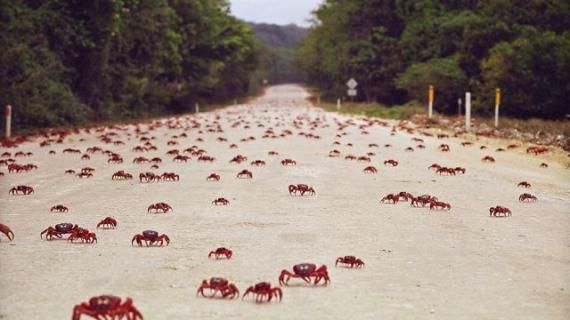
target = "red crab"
x: 150, y: 237
x: 443, y: 147
x: 25, y: 190
x: 84, y: 235
x: 499, y: 211
x: 391, y: 162
x: 107, y: 307
x: 85, y: 175
x: 107, y: 223
x: 7, y: 231
x: 524, y: 184
x: 121, y: 175
x: 262, y: 290
x: 422, y: 200
x: 302, y: 188
x: 390, y: 198
x: 60, y: 229
x: 288, y: 162
x: 434, y: 166
x: 213, y: 177
x: 439, y: 205
x: 59, y: 208
x: 160, y: 207
x: 488, y: 159
x: 527, y: 197
x: 244, y: 174
x: 170, y: 176
x: 221, y: 202
x: 305, y: 271
x: 221, y: 285
x: 351, y: 261
x: 221, y: 252
x: 446, y: 171
x: 370, y: 170
x: 258, y: 163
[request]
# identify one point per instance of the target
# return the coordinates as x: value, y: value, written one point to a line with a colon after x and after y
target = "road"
x: 420, y: 264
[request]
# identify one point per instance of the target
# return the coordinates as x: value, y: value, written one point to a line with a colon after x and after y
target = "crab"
x: 524, y: 184
x: 25, y: 190
x: 7, y: 231
x: 224, y: 287
x: 499, y: 211
x: 149, y: 177
x: 391, y: 162
x: 60, y: 229
x: 150, y: 237
x: 107, y: 307
x: 445, y: 170
x: 370, y: 170
x: 273, y: 153
x: 139, y: 160
x: 262, y: 290
x: 213, y: 177
x: 459, y: 170
x: 305, y: 271
x: 363, y: 159
x: 434, y: 205
x: 434, y: 166
x: 409, y: 149
x: 84, y: 175
x: 121, y: 175
x: 422, y: 200
x: 527, y: 197
x: 288, y: 162
x: 107, y: 223
x: 238, y: 159
x: 258, y: 163
x: 443, y: 147
x: 351, y: 261
x: 221, y: 202
x: 170, y: 176
x: 84, y: 235
x: 302, y: 188
x: 221, y: 252
x: 390, y: 198
x: 59, y: 208
x: 181, y: 158
x: 244, y: 174
x: 160, y: 207
x: 544, y: 165
x: 404, y: 196
x: 488, y: 159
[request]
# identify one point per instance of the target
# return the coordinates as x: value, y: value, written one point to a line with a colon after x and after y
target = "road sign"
x: 430, y: 101
x: 352, y: 83
x: 352, y: 92
x: 497, y: 104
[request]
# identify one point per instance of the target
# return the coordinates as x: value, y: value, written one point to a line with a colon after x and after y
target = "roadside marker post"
x: 197, y: 108
x: 338, y: 105
x: 8, y: 121
x: 430, y: 101
x: 467, y: 111
x: 497, y: 104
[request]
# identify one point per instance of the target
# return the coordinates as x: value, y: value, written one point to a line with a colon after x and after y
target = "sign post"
x: 430, y: 101
x: 8, y: 121
x: 497, y: 104
x: 197, y: 108
x: 338, y: 104
x: 352, y: 84
x: 467, y: 111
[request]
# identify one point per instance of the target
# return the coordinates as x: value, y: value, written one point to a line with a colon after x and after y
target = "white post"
x: 338, y: 105
x: 235, y: 102
x: 197, y: 108
x: 319, y: 100
x: 467, y: 111
x: 8, y: 121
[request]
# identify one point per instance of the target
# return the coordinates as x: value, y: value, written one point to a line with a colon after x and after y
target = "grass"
x: 375, y: 110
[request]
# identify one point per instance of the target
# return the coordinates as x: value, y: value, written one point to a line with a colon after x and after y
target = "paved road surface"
x: 420, y: 264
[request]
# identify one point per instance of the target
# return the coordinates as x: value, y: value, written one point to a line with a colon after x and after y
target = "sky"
x: 275, y: 11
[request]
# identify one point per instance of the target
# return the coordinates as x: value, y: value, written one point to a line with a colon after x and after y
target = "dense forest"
x: 71, y: 61
x: 279, y: 49
x: 396, y: 48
